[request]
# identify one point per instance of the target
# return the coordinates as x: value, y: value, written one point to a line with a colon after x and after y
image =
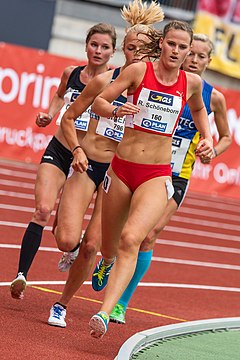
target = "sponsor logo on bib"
x: 154, y: 125
x: 161, y: 98
x: 113, y: 134
x: 176, y: 141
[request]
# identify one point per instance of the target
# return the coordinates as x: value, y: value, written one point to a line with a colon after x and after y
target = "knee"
x: 42, y: 214
x: 64, y: 245
x: 149, y: 241
x: 89, y: 249
x: 129, y: 242
x: 65, y: 241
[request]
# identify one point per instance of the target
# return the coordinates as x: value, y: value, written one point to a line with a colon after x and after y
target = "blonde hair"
x: 140, y: 16
x: 204, y: 38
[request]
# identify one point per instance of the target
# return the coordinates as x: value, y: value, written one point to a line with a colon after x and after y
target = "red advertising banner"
x: 28, y: 81
x: 222, y: 176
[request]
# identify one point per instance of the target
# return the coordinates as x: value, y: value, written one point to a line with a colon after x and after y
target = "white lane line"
x: 20, y: 208
x: 175, y: 218
x: 17, y: 208
x: 167, y: 228
x: 19, y: 165
x: 41, y: 248
x: 213, y: 198
x: 18, y: 184
x: 154, y: 258
x: 223, y: 207
x: 208, y: 214
x: 143, y: 284
x: 201, y: 233
x: 21, y: 225
x: 196, y: 263
x: 17, y: 195
x: 208, y: 223
x: 162, y: 242
x: 19, y: 174
x: 192, y: 286
x: 198, y: 246
x: 209, y: 204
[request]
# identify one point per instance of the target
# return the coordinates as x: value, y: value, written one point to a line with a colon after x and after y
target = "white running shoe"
x: 67, y: 260
x: 57, y: 316
x: 18, y: 286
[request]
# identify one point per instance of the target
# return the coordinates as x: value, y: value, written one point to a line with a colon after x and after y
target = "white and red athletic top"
x: 160, y: 105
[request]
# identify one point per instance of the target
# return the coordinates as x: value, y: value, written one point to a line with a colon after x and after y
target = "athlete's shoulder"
x: 217, y: 99
x: 103, y: 78
x: 193, y: 77
x: 194, y: 82
x: 67, y: 71
x: 135, y: 68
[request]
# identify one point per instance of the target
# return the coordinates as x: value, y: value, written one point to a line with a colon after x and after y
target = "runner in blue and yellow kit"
x: 184, y: 143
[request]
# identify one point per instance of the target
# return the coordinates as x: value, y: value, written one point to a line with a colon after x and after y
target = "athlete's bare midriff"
x: 97, y: 147
x: 145, y: 148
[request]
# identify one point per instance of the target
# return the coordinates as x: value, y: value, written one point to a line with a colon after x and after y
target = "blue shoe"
x: 100, y: 275
x: 99, y: 324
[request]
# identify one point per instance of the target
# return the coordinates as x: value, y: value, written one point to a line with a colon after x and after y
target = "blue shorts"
x: 96, y: 171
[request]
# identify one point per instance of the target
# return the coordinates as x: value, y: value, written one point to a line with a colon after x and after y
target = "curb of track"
x: 143, y: 339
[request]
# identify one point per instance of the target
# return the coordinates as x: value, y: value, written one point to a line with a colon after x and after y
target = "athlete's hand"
x: 127, y: 109
x: 80, y: 161
x: 205, y: 159
x: 43, y: 119
x: 205, y: 150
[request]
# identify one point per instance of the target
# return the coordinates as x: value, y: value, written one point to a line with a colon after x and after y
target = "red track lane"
x: 199, y: 247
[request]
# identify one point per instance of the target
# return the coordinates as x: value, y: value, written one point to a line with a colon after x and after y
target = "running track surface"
x: 195, y: 274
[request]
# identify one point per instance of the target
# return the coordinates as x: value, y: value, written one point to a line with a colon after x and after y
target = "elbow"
x: 94, y: 105
x: 229, y: 140
x: 63, y: 123
x: 66, y: 120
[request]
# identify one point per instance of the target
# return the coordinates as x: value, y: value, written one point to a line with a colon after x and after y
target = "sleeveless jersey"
x: 186, y: 138
x: 112, y: 128
x: 74, y: 89
x: 160, y: 105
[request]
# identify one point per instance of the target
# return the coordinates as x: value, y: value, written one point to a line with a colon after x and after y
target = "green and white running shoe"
x: 118, y: 314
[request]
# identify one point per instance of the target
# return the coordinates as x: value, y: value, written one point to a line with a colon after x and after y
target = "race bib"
x: 82, y: 122
x: 180, y: 148
x: 159, y: 111
x: 112, y: 128
x: 106, y: 182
